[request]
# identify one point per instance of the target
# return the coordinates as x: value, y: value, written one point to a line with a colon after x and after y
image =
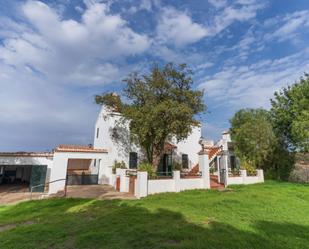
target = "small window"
x: 98, y: 130
x: 133, y: 160
x: 185, y: 161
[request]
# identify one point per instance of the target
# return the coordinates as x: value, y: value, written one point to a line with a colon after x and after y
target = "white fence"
x: 245, y: 179
x: 144, y: 186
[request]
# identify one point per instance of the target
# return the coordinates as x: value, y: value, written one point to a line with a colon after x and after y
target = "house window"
x: 133, y: 160
x: 98, y: 130
x: 185, y: 161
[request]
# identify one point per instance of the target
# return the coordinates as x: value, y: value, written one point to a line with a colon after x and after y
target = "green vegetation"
x: 267, y: 139
x: 252, y: 132
x: 161, y: 104
x: 118, y: 165
x: 148, y: 168
x: 270, y: 215
x: 290, y: 114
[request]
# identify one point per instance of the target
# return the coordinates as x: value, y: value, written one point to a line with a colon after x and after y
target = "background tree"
x: 253, y: 135
x: 290, y: 115
x: 161, y: 104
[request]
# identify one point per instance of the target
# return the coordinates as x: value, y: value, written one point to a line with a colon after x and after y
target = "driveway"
x: 11, y: 194
x: 96, y: 191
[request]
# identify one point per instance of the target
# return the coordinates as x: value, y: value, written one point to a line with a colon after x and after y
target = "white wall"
x: 190, y: 146
x: 195, y: 183
x: 59, y: 170
x: 119, y: 148
x: 244, y: 179
x: 160, y: 186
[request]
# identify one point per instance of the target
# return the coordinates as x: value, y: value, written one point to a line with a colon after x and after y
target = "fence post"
x: 176, y: 177
x: 243, y: 173
x: 123, y: 180
x: 260, y: 174
x: 141, y: 184
x: 204, y: 167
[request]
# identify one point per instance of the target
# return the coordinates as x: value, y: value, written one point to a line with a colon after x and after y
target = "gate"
x: 38, y: 177
x: 132, y: 185
x: 82, y: 179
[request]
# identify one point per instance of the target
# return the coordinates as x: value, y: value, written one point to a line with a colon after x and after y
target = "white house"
x: 212, y: 166
x: 112, y: 134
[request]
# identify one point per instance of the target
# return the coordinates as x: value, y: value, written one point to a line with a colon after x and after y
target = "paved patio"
x: 13, y: 194
x: 96, y: 191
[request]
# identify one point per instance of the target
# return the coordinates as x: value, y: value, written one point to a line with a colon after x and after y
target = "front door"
x: 167, y: 163
x: 38, y: 177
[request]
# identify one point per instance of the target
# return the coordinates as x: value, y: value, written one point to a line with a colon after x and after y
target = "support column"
x: 204, y: 167
x: 218, y: 169
x: 176, y: 177
x: 141, y: 184
x: 243, y: 173
x: 260, y: 174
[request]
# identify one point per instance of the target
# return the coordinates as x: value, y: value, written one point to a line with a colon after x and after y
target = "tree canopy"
x: 290, y: 114
x: 160, y: 104
x: 253, y: 135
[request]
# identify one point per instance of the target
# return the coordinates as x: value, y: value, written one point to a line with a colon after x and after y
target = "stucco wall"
x: 114, y: 136
x: 160, y: 186
x: 186, y: 184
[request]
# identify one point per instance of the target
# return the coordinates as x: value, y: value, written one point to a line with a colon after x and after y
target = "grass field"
x: 270, y: 215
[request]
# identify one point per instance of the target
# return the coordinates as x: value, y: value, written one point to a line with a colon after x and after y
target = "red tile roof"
x: 211, y: 151
x: 78, y: 148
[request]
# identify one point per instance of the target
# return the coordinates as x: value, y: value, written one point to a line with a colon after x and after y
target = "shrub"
x: 248, y: 167
x: 148, y: 168
x: 118, y: 165
x: 177, y: 166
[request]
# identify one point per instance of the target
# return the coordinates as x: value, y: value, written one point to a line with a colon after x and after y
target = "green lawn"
x: 270, y: 215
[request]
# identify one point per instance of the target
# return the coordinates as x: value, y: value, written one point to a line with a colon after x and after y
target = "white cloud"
x: 177, y: 27
x: 64, y: 50
x: 288, y: 27
x: 231, y: 14
x: 253, y: 85
x: 218, y: 3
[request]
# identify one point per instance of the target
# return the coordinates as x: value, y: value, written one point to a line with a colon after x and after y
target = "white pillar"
x: 260, y: 174
x: 218, y: 168
x: 124, y: 181
x: 243, y: 173
x: 141, y: 184
x: 204, y: 167
x: 176, y: 177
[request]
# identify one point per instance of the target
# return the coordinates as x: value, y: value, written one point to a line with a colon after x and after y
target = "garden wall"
x: 245, y: 179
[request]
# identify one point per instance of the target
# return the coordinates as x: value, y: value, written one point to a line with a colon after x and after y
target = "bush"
x: 177, y: 166
x: 118, y: 165
x: 148, y: 168
x: 249, y: 168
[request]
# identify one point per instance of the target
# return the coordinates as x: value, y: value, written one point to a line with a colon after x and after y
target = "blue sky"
x: 56, y: 55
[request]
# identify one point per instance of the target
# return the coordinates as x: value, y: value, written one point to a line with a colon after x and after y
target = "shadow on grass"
x: 75, y: 223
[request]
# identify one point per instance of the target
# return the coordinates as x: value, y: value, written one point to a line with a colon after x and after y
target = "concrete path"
x: 12, y: 195
x: 96, y: 191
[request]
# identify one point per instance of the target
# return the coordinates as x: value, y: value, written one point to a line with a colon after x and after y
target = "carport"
x: 19, y: 171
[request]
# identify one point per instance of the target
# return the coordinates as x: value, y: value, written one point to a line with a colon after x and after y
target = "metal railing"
x: 190, y: 174
x: 45, y: 184
x: 161, y: 175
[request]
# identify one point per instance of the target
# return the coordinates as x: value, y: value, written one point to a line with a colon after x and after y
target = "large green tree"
x: 253, y: 135
x: 290, y: 114
x: 159, y: 104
